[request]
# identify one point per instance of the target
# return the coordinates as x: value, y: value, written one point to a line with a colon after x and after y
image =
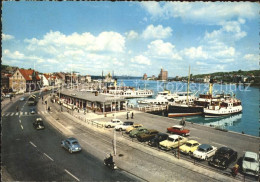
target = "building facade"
x: 163, y: 75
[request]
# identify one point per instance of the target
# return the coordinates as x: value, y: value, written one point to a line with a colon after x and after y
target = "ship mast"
x: 188, y: 84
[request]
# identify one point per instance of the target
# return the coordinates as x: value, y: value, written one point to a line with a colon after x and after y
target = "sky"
x: 131, y: 38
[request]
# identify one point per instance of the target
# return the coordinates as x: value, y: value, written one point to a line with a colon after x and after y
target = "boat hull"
x: 185, y: 109
x: 171, y: 115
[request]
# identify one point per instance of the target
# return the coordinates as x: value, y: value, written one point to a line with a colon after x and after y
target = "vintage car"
x: 146, y: 136
x: 122, y: 127
x: 189, y: 147
x: 179, y: 130
x: 135, y: 132
x: 113, y: 123
x: 38, y: 124
x: 172, y: 142
x: 157, y: 139
x: 32, y: 110
x: 250, y: 163
x: 134, y: 126
x: 71, y: 144
x: 223, y: 158
x: 204, y: 152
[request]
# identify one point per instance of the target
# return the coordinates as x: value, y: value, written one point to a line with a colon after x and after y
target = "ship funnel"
x: 210, y: 86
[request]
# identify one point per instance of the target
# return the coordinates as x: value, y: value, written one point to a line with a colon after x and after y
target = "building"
x: 44, y: 80
x: 145, y: 77
x: 163, y: 75
x: 25, y: 80
x: 92, y: 101
x: 5, y: 88
x: 206, y: 79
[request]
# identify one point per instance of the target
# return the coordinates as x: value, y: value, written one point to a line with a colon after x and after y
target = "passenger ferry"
x: 131, y: 93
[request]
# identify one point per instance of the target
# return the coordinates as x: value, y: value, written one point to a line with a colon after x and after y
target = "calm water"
x: 247, y: 121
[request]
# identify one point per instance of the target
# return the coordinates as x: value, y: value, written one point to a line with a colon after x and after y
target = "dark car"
x: 32, y: 111
x: 223, y: 157
x: 157, y: 139
x: 38, y: 124
x: 146, y: 136
x: 71, y: 144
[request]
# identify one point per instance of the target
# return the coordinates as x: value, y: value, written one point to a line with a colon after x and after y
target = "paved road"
x: 30, y: 155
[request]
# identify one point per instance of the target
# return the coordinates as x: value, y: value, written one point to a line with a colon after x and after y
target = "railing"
x: 152, y: 108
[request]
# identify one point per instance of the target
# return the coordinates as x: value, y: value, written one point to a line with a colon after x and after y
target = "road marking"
x: 25, y: 113
x: 48, y: 157
x: 71, y: 175
x: 16, y: 113
x: 219, y: 144
x: 8, y: 114
x: 20, y: 121
x: 21, y: 113
x: 22, y: 127
x: 33, y: 144
x: 12, y: 114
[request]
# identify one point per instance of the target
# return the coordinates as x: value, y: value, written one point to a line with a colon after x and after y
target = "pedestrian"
x: 78, y: 110
x: 132, y: 115
x: 127, y: 117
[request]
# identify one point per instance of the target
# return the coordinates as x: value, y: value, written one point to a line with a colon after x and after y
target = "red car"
x: 179, y: 130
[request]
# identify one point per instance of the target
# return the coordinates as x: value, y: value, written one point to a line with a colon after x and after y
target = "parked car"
x: 135, y: 132
x: 32, y: 110
x: 157, y: 139
x: 71, y: 144
x: 8, y: 95
x: 113, y: 123
x: 134, y: 126
x: 122, y: 127
x: 204, y: 152
x: 38, y: 124
x: 189, y: 147
x: 223, y: 158
x: 147, y: 135
x: 22, y: 99
x: 250, y: 163
x: 172, y: 142
x: 179, y: 130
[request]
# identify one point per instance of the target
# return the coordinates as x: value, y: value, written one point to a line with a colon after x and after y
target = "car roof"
x: 71, y: 139
x: 224, y: 149
x: 128, y: 122
x: 251, y: 154
x: 204, y: 146
x: 192, y: 141
x: 174, y: 136
x: 177, y: 126
x: 162, y: 134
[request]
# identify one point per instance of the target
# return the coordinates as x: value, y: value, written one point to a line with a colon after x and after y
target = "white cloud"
x: 105, y: 41
x: 230, y: 31
x: 141, y: 60
x: 131, y: 34
x: 201, y: 12
x: 13, y: 55
x: 201, y: 63
x: 156, y: 32
x: 7, y: 37
x: 251, y: 57
x: 195, y: 53
x: 160, y: 49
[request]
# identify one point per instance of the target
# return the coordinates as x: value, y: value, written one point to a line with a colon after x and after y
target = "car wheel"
x: 206, y: 158
x: 190, y: 153
x: 109, y: 126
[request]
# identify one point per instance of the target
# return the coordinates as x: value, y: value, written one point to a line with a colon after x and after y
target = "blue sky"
x: 131, y: 38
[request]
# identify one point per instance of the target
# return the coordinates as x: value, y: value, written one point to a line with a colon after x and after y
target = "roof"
x: 174, y: 136
x: 91, y: 96
x: 177, y: 126
x: 192, y: 141
x: 27, y: 73
x: 251, y: 154
x: 204, y: 146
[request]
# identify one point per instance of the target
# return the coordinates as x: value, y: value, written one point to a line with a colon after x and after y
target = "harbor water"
x: 246, y: 122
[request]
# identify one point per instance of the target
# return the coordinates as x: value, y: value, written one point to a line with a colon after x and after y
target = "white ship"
x: 131, y: 93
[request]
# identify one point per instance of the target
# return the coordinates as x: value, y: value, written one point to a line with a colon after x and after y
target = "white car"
x: 204, y: 152
x: 122, y: 127
x: 113, y: 123
x: 250, y: 163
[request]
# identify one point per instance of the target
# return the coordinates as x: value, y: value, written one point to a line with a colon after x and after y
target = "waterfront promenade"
x: 203, y: 134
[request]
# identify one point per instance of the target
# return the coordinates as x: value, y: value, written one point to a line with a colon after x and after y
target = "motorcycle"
x: 108, y: 161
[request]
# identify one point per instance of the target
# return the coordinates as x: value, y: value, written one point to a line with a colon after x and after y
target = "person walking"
x: 127, y: 117
x: 132, y: 115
